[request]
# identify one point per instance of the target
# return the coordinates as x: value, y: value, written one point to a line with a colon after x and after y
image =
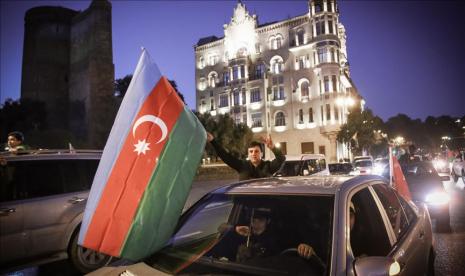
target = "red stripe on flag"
x: 131, y: 173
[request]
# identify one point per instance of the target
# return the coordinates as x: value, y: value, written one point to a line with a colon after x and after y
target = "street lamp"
x: 399, y: 140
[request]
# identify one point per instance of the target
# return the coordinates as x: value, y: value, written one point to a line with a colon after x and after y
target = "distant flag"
x: 397, y: 179
x: 146, y: 169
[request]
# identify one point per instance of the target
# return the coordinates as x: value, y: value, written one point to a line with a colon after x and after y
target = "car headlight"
x: 439, y: 164
x: 378, y: 169
x: 437, y: 198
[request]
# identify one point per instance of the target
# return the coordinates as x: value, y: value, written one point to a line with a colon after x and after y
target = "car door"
x: 411, y: 246
x: 64, y: 188
x: 12, y: 238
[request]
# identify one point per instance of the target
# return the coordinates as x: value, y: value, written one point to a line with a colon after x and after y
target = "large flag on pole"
x: 146, y: 169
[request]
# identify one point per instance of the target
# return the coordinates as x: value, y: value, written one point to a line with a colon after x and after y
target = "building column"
x: 332, y: 153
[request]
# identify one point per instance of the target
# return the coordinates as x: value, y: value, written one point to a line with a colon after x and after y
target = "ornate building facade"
x: 290, y: 78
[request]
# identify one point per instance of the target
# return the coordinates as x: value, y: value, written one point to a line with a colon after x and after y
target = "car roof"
x: 304, y: 157
x: 302, y: 185
x: 48, y: 154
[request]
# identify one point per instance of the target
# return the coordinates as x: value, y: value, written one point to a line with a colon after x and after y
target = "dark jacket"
x: 245, y: 168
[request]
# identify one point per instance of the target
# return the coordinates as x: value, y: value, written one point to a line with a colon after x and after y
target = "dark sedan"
x: 426, y: 186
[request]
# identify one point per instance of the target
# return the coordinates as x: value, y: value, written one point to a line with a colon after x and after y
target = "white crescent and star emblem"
x: 142, y: 146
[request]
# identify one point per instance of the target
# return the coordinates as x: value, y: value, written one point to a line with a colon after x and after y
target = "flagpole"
x: 391, y: 171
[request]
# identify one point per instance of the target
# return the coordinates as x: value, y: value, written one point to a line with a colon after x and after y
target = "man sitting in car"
x: 260, y: 241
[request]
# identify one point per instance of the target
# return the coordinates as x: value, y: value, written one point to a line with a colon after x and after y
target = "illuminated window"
x: 201, y: 63
x: 322, y: 55
x: 280, y: 119
x: 304, y: 89
x: 320, y: 27
x: 242, y: 52
x: 226, y: 78
x: 277, y: 64
x: 236, y: 97
x: 255, y: 95
x: 213, y: 59
x: 202, y: 84
x: 326, y: 82
x: 256, y: 119
x: 224, y: 100
x: 300, y: 37
x: 235, y: 73
x: 259, y: 71
x: 212, y: 79
x: 310, y: 115
x: 334, y: 82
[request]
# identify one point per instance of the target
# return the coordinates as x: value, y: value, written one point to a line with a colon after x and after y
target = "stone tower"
x: 68, y: 64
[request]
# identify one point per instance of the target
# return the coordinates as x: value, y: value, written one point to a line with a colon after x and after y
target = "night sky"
x: 405, y: 56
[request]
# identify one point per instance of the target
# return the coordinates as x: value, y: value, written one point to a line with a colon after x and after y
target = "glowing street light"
x: 399, y: 140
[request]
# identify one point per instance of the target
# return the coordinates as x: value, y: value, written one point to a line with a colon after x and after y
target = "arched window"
x: 272, y: 42
x: 280, y: 120
x: 277, y: 64
x: 201, y: 63
x: 276, y: 42
x: 242, y: 52
x: 202, y: 84
x: 304, y: 91
x: 212, y: 79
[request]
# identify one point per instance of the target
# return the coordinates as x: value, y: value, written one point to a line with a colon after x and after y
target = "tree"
x: 122, y: 85
x: 361, y: 131
x: 235, y: 136
x: 30, y: 117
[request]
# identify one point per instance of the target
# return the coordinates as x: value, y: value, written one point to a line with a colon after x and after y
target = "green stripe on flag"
x: 168, y: 188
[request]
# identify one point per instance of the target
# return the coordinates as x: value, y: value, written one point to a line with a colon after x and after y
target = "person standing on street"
x: 254, y: 167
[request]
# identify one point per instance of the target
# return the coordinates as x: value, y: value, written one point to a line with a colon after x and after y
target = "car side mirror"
x: 445, y: 178
x: 376, y: 266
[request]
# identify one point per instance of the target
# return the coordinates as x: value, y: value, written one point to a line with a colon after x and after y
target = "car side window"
x: 31, y: 179
x: 409, y: 213
x: 7, y: 191
x: 368, y: 236
x: 78, y: 174
x: 393, y: 209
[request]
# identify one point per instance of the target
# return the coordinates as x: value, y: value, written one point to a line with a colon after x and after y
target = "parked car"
x: 340, y: 168
x: 363, y: 165
x: 458, y: 167
x: 387, y: 236
x: 304, y: 164
x: 381, y: 167
x: 42, y: 199
x: 426, y: 186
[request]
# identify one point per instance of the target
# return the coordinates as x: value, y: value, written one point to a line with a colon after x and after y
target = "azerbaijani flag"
x: 146, y: 170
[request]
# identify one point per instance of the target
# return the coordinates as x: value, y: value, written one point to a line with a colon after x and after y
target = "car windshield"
x: 297, y: 167
x: 210, y: 240
x: 363, y: 163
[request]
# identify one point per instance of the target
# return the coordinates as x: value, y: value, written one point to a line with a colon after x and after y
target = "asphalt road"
x: 450, y: 247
